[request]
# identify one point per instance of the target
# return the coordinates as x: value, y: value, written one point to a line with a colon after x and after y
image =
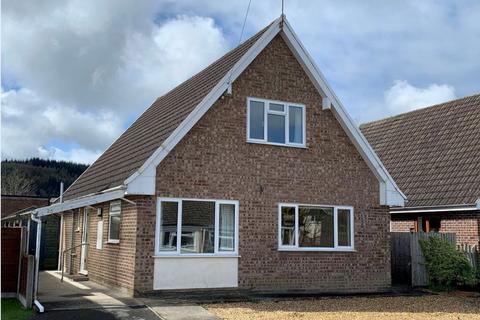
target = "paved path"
x: 89, y: 300
x: 86, y: 300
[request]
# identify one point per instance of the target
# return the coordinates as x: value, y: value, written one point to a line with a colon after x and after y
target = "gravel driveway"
x: 444, y: 306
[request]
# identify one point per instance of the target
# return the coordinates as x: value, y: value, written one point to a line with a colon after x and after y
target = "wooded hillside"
x: 38, y: 177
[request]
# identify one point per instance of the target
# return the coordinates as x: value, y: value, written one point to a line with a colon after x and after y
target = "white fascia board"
x: 390, y: 193
x: 434, y: 209
x: 80, y: 202
x: 143, y: 180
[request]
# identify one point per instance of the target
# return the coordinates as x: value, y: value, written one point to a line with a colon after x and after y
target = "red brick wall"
x: 402, y: 225
x: 215, y: 161
x: 72, y: 258
x: 114, y: 264
x: 466, y: 225
x: 146, y: 209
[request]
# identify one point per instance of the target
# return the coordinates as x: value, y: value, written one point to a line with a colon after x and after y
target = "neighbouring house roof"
x: 11, y: 204
x: 433, y: 153
x: 128, y: 166
x: 155, y: 125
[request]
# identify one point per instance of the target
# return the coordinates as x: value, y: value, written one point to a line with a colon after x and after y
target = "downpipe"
x: 39, y: 306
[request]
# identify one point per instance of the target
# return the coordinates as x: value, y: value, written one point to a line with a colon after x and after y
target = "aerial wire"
x: 229, y: 90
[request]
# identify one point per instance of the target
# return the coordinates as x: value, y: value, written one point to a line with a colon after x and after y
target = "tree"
x: 15, y: 183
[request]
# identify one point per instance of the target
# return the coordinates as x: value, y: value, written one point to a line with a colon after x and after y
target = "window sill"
x: 317, y: 249
x: 196, y: 256
x: 113, y: 241
x: 277, y: 144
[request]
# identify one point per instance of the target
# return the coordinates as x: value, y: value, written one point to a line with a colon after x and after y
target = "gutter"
x: 442, y: 208
x: 84, y: 201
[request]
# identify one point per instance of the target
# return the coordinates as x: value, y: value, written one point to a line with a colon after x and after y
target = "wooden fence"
x: 17, y: 266
x: 471, y: 253
x: 11, y: 250
x: 408, y: 263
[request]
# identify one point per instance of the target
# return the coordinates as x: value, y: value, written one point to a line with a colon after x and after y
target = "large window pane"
x: 344, y: 236
x: 288, y: 226
x: 198, y: 227
x: 257, y: 119
x: 315, y: 227
x: 276, y: 128
x: 168, y: 226
x: 226, y: 227
x: 295, y: 119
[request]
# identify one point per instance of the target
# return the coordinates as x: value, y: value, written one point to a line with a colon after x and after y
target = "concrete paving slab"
x: 177, y: 309
x: 86, y: 300
x: 71, y: 295
x: 98, y: 314
x: 183, y: 312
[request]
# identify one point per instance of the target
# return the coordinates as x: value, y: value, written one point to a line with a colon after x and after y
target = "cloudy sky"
x: 76, y: 73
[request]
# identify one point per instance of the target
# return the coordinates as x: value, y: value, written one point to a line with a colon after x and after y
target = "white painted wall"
x: 195, y: 272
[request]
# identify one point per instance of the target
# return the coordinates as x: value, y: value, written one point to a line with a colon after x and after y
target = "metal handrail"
x: 63, y: 256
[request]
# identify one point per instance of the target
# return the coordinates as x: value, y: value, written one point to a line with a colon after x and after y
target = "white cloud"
x: 110, y: 59
x: 31, y: 124
x: 86, y: 68
x: 74, y: 155
x: 403, y: 97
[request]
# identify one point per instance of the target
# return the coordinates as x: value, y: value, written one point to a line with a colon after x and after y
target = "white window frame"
x: 177, y: 252
x: 110, y: 214
x: 285, y: 113
x: 296, y: 246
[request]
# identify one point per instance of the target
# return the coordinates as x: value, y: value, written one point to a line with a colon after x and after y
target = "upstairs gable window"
x: 275, y: 122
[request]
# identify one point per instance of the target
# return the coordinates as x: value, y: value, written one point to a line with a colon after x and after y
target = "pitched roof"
x: 147, y: 133
x: 432, y: 153
x: 137, y: 153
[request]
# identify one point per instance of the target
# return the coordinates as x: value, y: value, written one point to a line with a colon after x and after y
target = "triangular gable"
x: 143, y: 180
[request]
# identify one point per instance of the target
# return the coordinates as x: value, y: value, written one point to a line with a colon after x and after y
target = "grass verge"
x: 13, y: 310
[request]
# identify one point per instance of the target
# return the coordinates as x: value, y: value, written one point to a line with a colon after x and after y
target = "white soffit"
x: 89, y: 200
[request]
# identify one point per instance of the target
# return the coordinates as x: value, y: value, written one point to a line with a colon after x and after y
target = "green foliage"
x: 447, y: 267
x: 13, y: 310
x: 38, y: 177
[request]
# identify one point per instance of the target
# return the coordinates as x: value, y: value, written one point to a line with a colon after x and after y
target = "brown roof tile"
x: 147, y: 133
x: 434, y: 153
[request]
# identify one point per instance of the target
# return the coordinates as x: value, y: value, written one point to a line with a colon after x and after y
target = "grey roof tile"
x: 433, y: 154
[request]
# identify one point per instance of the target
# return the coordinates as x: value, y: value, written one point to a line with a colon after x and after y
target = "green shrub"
x: 447, y: 267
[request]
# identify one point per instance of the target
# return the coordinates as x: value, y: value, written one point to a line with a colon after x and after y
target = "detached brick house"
x: 434, y: 156
x: 249, y: 175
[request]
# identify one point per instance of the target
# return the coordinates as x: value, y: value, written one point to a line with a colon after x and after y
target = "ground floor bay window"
x: 196, y: 227
x: 315, y: 227
x: 196, y: 244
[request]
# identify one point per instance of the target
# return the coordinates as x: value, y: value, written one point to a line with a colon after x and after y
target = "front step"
x: 79, y: 278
